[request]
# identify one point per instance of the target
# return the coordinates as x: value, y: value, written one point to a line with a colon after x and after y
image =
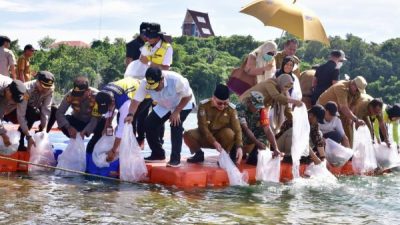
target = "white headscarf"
x: 268, y: 46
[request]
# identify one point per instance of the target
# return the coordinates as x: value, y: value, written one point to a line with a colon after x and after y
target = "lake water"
x: 47, y: 199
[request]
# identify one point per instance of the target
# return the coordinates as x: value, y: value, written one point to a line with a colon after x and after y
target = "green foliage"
x: 208, y: 61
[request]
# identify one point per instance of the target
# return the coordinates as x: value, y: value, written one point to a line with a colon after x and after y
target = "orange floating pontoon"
x: 207, y: 174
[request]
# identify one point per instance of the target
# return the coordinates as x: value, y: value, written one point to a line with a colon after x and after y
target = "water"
x: 47, y: 199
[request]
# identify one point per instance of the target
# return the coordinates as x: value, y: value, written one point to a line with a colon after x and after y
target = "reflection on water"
x: 47, y: 199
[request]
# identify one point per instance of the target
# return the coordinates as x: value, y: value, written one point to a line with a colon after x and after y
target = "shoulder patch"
x: 233, y: 106
x: 205, y: 101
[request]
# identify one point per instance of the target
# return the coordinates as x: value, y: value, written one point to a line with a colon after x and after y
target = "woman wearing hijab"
x: 261, y: 62
x: 287, y: 67
x: 276, y: 94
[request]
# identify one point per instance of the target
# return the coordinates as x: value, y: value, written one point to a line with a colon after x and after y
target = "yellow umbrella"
x: 298, y: 21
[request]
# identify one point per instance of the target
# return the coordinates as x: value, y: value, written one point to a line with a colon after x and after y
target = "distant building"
x: 78, y: 44
x: 197, y: 24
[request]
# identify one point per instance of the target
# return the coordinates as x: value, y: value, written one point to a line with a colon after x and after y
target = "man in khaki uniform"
x: 23, y: 65
x: 370, y: 109
x: 289, y: 49
x: 306, y: 82
x: 219, y: 127
x: 345, y: 94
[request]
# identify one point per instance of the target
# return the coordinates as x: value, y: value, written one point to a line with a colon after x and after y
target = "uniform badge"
x: 202, y: 112
x: 225, y: 114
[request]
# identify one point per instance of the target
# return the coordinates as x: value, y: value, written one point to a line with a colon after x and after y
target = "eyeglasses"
x: 222, y: 103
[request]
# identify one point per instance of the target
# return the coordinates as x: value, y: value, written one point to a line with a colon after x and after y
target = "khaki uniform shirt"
x: 23, y: 66
x: 40, y: 101
x: 339, y: 93
x: 306, y: 79
x: 279, y: 59
x: 211, y: 120
x: 7, y: 59
x: 269, y: 89
x: 83, y: 108
x: 4, y: 104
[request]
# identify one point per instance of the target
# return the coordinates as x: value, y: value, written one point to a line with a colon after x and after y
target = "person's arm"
x: 396, y: 133
x: 137, y: 99
x: 128, y: 60
x: 314, y: 157
x: 203, y: 124
x: 175, y: 115
x: 367, y: 121
x: 61, y: 111
x: 21, y: 116
x: 45, y: 111
x: 314, y: 82
x: 350, y: 115
x: 251, y: 136
x: 20, y: 69
x: 383, y: 129
x: 251, y: 66
x: 13, y: 73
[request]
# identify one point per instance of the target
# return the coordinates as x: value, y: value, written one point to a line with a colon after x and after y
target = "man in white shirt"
x: 175, y: 101
x: 332, y: 127
x: 7, y: 58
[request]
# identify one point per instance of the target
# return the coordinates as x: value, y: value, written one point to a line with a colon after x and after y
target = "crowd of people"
x: 263, y: 118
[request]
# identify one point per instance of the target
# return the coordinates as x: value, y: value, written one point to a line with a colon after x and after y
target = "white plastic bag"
x: 364, y: 159
x: 102, y: 147
x: 235, y: 177
x: 300, y: 138
x: 132, y: 165
x: 42, y: 153
x: 14, y: 137
x: 336, y: 154
x: 73, y: 157
x: 136, y: 69
x: 320, y: 172
x: 268, y: 168
x: 296, y: 92
x: 386, y: 158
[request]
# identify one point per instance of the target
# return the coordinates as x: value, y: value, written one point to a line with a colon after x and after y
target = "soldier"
x: 218, y: 127
x: 11, y: 92
x: 84, y: 117
x: 36, y: 106
x: 253, y: 117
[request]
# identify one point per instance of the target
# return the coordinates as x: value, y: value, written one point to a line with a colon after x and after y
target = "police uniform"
x: 214, y: 125
x: 279, y: 59
x: 4, y: 103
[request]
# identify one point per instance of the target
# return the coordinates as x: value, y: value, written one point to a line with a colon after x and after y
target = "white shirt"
x: 334, y: 125
x: 167, y: 61
x: 175, y: 88
x: 7, y: 59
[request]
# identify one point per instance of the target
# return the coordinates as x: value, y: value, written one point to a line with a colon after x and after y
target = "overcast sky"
x: 86, y: 20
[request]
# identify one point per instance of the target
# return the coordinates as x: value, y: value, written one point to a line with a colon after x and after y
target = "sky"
x: 88, y: 20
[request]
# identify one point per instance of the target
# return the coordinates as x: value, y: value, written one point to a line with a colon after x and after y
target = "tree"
x: 45, y: 42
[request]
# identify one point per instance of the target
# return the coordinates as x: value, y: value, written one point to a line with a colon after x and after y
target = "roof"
x: 79, y: 44
x: 202, y: 22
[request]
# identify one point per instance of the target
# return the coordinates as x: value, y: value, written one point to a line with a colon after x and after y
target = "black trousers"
x: 153, y: 126
x: 32, y: 115
x: 80, y: 125
x: 140, y: 118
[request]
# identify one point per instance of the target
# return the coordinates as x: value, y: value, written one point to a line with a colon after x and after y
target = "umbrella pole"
x: 279, y: 42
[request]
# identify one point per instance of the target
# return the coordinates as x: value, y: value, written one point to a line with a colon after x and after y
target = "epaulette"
x: 233, y: 106
x: 205, y: 101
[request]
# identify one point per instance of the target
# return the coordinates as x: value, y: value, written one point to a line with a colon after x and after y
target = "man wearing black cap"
x: 7, y: 58
x: 116, y: 96
x: 11, y: 93
x: 84, y: 117
x: 133, y: 47
x: 36, y: 106
x: 327, y: 74
x: 23, y: 65
x: 317, y: 143
x: 219, y: 127
x: 175, y: 101
x: 156, y: 51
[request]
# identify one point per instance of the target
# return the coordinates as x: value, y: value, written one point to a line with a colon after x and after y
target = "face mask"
x: 339, y: 65
x: 267, y: 57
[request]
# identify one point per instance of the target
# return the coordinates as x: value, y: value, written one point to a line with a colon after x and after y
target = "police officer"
x: 84, y: 117
x: 219, y: 127
x: 11, y: 92
x: 253, y: 117
x: 36, y: 106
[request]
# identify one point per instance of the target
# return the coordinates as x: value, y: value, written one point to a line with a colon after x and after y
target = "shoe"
x: 197, y: 158
x: 252, y: 159
x: 141, y: 144
x: 174, y: 163
x: 153, y: 158
x: 22, y: 148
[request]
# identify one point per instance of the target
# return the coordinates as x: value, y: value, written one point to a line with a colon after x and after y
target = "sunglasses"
x: 271, y: 53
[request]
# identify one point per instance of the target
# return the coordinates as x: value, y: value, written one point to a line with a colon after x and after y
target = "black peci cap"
x: 221, y: 92
x: 17, y: 89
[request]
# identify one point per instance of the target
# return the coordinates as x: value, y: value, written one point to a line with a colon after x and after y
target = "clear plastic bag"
x: 101, y: 148
x: 235, y: 177
x: 132, y: 165
x: 386, y: 157
x: 336, y: 154
x: 14, y: 137
x: 136, y: 69
x: 268, y: 168
x: 73, y: 157
x: 364, y: 159
x: 320, y: 172
x: 300, y: 138
x: 42, y: 153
